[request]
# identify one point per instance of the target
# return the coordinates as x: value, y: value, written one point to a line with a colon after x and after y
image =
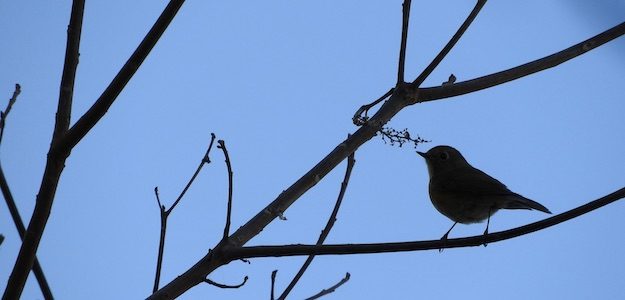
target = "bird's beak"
x: 422, y: 154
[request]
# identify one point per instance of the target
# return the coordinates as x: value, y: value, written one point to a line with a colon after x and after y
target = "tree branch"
x: 331, y: 289
x: 222, y: 146
x: 226, y: 286
x: 55, y: 161
x: 342, y: 249
x: 5, y: 113
x: 164, y: 213
x: 404, y: 39
x: 100, y: 107
x: 441, y: 55
x: 326, y: 231
x: 205, y: 160
x: 469, y: 86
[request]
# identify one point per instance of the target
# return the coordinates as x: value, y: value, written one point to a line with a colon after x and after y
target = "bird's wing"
x: 471, y: 181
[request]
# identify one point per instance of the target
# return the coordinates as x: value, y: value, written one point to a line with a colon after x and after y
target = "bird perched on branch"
x: 465, y: 194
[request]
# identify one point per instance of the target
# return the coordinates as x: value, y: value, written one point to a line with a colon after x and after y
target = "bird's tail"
x: 520, y: 202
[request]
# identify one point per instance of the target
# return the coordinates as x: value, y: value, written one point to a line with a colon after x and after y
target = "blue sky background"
x: 279, y: 81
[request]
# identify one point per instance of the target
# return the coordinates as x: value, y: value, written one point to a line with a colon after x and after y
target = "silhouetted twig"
x: 222, y: 146
x: 273, y: 284
x: 331, y: 289
x: 404, y: 39
x: 225, y: 286
x: 326, y: 230
x: 164, y: 213
x: 359, y: 119
x: 5, y: 113
x: 452, y: 42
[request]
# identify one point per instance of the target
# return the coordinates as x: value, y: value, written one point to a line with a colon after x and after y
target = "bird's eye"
x: 444, y: 155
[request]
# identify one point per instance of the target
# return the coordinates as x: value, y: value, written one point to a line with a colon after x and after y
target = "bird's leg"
x: 444, y: 238
x: 487, y: 223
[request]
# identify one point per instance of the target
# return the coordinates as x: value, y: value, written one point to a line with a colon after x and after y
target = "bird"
x: 465, y: 194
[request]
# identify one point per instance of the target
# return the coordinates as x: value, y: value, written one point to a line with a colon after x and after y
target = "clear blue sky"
x: 279, y: 81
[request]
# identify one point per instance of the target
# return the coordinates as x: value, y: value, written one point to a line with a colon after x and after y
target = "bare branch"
x: 225, y: 286
x: 331, y: 289
x: 441, y: 55
x: 358, y: 119
x: 55, y: 160
x: 342, y: 249
x: 5, y: 113
x: 21, y: 230
x: 404, y: 39
x: 161, y: 243
x: 164, y: 213
x: 273, y: 284
x: 222, y: 146
x: 99, y: 108
x: 326, y: 231
x: 469, y: 86
x: 205, y: 160
x: 8, y: 197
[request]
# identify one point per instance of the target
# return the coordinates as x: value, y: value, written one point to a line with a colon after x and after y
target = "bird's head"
x: 441, y: 159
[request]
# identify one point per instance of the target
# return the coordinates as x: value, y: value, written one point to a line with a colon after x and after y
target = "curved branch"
x: 469, y: 86
x: 341, y: 249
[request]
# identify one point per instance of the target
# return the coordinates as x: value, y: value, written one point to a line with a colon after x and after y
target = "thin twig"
x: 164, y: 213
x: 331, y: 289
x: 326, y: 230
x: 452, y: 42
x: 404, y: 39
x: 225, y: 286
x: 273, y: 284
x: 222, y: 146
x: 342, y: 249
x: 161, y: 242
x: 358, y: 119
x: 5, y: 113
x: 205, y: 160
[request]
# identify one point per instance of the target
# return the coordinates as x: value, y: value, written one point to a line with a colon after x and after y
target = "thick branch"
x: 342, y: 249
x: 469, y: 86
x: 54, y: 164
